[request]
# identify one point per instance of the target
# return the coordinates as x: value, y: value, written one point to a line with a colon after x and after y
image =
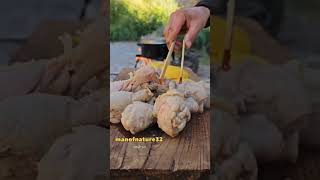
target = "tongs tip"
x: 167, y: 60
x: 182, y: 61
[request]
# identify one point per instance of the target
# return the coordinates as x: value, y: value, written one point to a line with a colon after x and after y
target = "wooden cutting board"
x: 185, y: 156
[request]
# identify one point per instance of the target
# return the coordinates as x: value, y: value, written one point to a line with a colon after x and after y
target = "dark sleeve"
x: 213, y: 5
x: 210, y: 4
x: 206, y: 3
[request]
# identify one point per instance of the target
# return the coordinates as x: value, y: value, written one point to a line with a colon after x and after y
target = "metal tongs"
x: 168, y: 61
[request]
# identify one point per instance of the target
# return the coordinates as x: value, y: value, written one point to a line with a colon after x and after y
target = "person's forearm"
x: 210, y: 4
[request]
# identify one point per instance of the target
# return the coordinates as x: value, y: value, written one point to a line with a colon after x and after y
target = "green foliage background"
x: 130, y: 19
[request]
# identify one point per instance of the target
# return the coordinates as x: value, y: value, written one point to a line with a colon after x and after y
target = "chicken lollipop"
x: 144, y: 75
x: 119, y: 100
x: 198, y: 91
x: 173, y: 111
x: 137, y: 117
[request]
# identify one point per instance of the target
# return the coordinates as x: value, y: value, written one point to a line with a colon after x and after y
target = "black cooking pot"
x: 154, y: 49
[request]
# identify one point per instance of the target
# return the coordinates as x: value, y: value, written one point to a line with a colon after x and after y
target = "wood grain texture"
x: 187, y: 155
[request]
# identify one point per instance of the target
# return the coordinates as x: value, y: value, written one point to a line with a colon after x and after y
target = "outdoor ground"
x: 122, y: 54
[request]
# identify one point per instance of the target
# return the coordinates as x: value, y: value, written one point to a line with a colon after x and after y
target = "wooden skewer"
x: 228, y: 36
x: 182, y: 61
x: 167, y: 61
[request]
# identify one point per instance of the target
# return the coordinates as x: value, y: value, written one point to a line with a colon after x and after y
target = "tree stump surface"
x: 186, y: 155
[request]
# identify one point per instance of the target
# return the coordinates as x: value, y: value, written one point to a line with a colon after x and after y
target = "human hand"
x: 191, y: 20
